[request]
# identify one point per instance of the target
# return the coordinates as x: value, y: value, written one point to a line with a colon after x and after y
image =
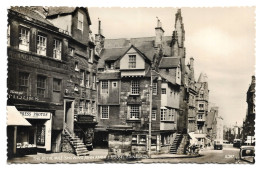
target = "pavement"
x: 227, y: 155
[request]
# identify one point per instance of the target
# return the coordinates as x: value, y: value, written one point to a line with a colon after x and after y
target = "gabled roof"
x: 30, y: 12
x: 115, y: 53
x: 167, y: 76
x: 203, y: 78
x: 169, y: 62
x: 52, y: 11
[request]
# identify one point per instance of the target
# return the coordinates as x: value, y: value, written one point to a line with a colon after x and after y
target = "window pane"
x: 24, y: 82
x: 134, y: 112
x: 132, y: 61
x: 104, y: 112
x: 135, y: 87
x: 56, y: 84
x: 104, y: 87
x: 41, y: 86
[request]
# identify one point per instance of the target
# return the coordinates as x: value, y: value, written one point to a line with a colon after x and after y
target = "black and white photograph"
x: 130, y: 85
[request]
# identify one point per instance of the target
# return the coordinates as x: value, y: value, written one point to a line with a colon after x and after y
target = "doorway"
x: 69, y: 114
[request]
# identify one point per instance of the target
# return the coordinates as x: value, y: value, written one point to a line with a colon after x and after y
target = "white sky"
x: 221, y: 40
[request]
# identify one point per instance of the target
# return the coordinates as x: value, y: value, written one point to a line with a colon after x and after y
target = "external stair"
x: 78, y: 145
x: 176, y: 144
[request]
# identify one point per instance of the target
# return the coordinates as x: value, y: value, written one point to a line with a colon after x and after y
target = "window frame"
x: 164, y: 90
x: 135, y: 87
x: 102, y: 87
x: 24, y: 38
x: 44, y: 89
x: 57, y: 49
x: 41, y: 44
x: 101, y: 112
x: 134, y: 112
x: 132, y: 61
x: 25, y: 80
x: 53, y: 87
x: 82, y: 78
x: 80, y: 21
x: 155, y: 88
x: 154, y: 112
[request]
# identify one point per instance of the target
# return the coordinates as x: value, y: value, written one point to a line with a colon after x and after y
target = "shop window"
x: 24, y: 82
x: 104, y: 112
x: 104, y: 87
x: 134, y: 111
x: 41, y: 44
x: 40, y: 135
x: 135, y: 87
x: 80, y: 21
x: 154, y: 88
x: 163, y: 90
x: 56, y: 84
x: 24, y: 38
x: 41, y: 85
x: 154, y: 114
x: 57, y: 49
x: 132, y: 61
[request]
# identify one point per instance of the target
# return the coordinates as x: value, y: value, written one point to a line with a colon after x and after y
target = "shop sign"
x: 35, y: 115
x: 21, y: 96
x: 85, y: 118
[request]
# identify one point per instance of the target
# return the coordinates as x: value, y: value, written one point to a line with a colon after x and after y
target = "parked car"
x: 246, y: 154
x: 237, y: 143
x: 218, y: 145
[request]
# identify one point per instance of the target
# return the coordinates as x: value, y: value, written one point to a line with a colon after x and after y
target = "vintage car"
x: 246, y: 154
x: 218, y: 145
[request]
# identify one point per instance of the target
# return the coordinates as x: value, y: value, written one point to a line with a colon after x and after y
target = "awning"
x: 14, y: 118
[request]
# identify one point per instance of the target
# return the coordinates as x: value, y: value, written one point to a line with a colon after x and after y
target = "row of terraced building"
x: 78, y: 92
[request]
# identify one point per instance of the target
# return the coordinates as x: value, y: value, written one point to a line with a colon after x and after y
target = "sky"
x: 221, y: 41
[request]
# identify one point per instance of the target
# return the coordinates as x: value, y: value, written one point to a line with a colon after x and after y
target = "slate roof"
x: 169, y: 62
x: 113, y: 48
x: 29, y: 11
x: 168, y: 77
x: 52, y: 11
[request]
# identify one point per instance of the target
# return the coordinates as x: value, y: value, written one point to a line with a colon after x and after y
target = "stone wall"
x: 65, y: 144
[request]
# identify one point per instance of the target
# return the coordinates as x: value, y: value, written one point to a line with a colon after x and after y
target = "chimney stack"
x: 99, y: 38
x: 191, y: 62
x: 253, y: 79
x: 159, y: 34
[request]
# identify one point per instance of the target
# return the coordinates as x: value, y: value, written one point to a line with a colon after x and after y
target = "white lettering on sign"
x: 36, y: 115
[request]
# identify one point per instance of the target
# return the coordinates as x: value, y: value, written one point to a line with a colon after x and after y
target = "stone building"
x: 249, y: 122
x: 37, y: 74
x: 52, y: 66
x: 126, y: 70
x: 202, y: 101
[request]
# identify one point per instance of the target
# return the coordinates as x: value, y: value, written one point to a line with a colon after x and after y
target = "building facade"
x: 249, y: 122
x: 130, y: 71
x: 52, y: 69
x: 37, y: 74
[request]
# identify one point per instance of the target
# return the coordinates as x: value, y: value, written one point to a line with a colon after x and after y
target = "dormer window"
x: 57, y: 49
x: 41, y: 44
x: 132, y: 61
x: 111, y: 65
x: 24, y: 39
x: 80, y: 21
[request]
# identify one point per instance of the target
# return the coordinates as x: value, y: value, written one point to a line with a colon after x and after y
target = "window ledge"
x: 168, y: 121
x: 133, y: 120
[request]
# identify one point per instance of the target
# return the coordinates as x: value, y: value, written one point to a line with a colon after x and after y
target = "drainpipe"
x: 150, y: 114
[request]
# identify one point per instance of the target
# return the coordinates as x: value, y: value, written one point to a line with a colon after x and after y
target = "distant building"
x: 202, y: 101
x: 249, y: 122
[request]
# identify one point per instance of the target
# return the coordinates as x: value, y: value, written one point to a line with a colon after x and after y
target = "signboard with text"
x: 35, y: 115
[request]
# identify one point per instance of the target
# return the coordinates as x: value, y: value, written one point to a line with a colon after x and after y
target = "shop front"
x: 38, y: 136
